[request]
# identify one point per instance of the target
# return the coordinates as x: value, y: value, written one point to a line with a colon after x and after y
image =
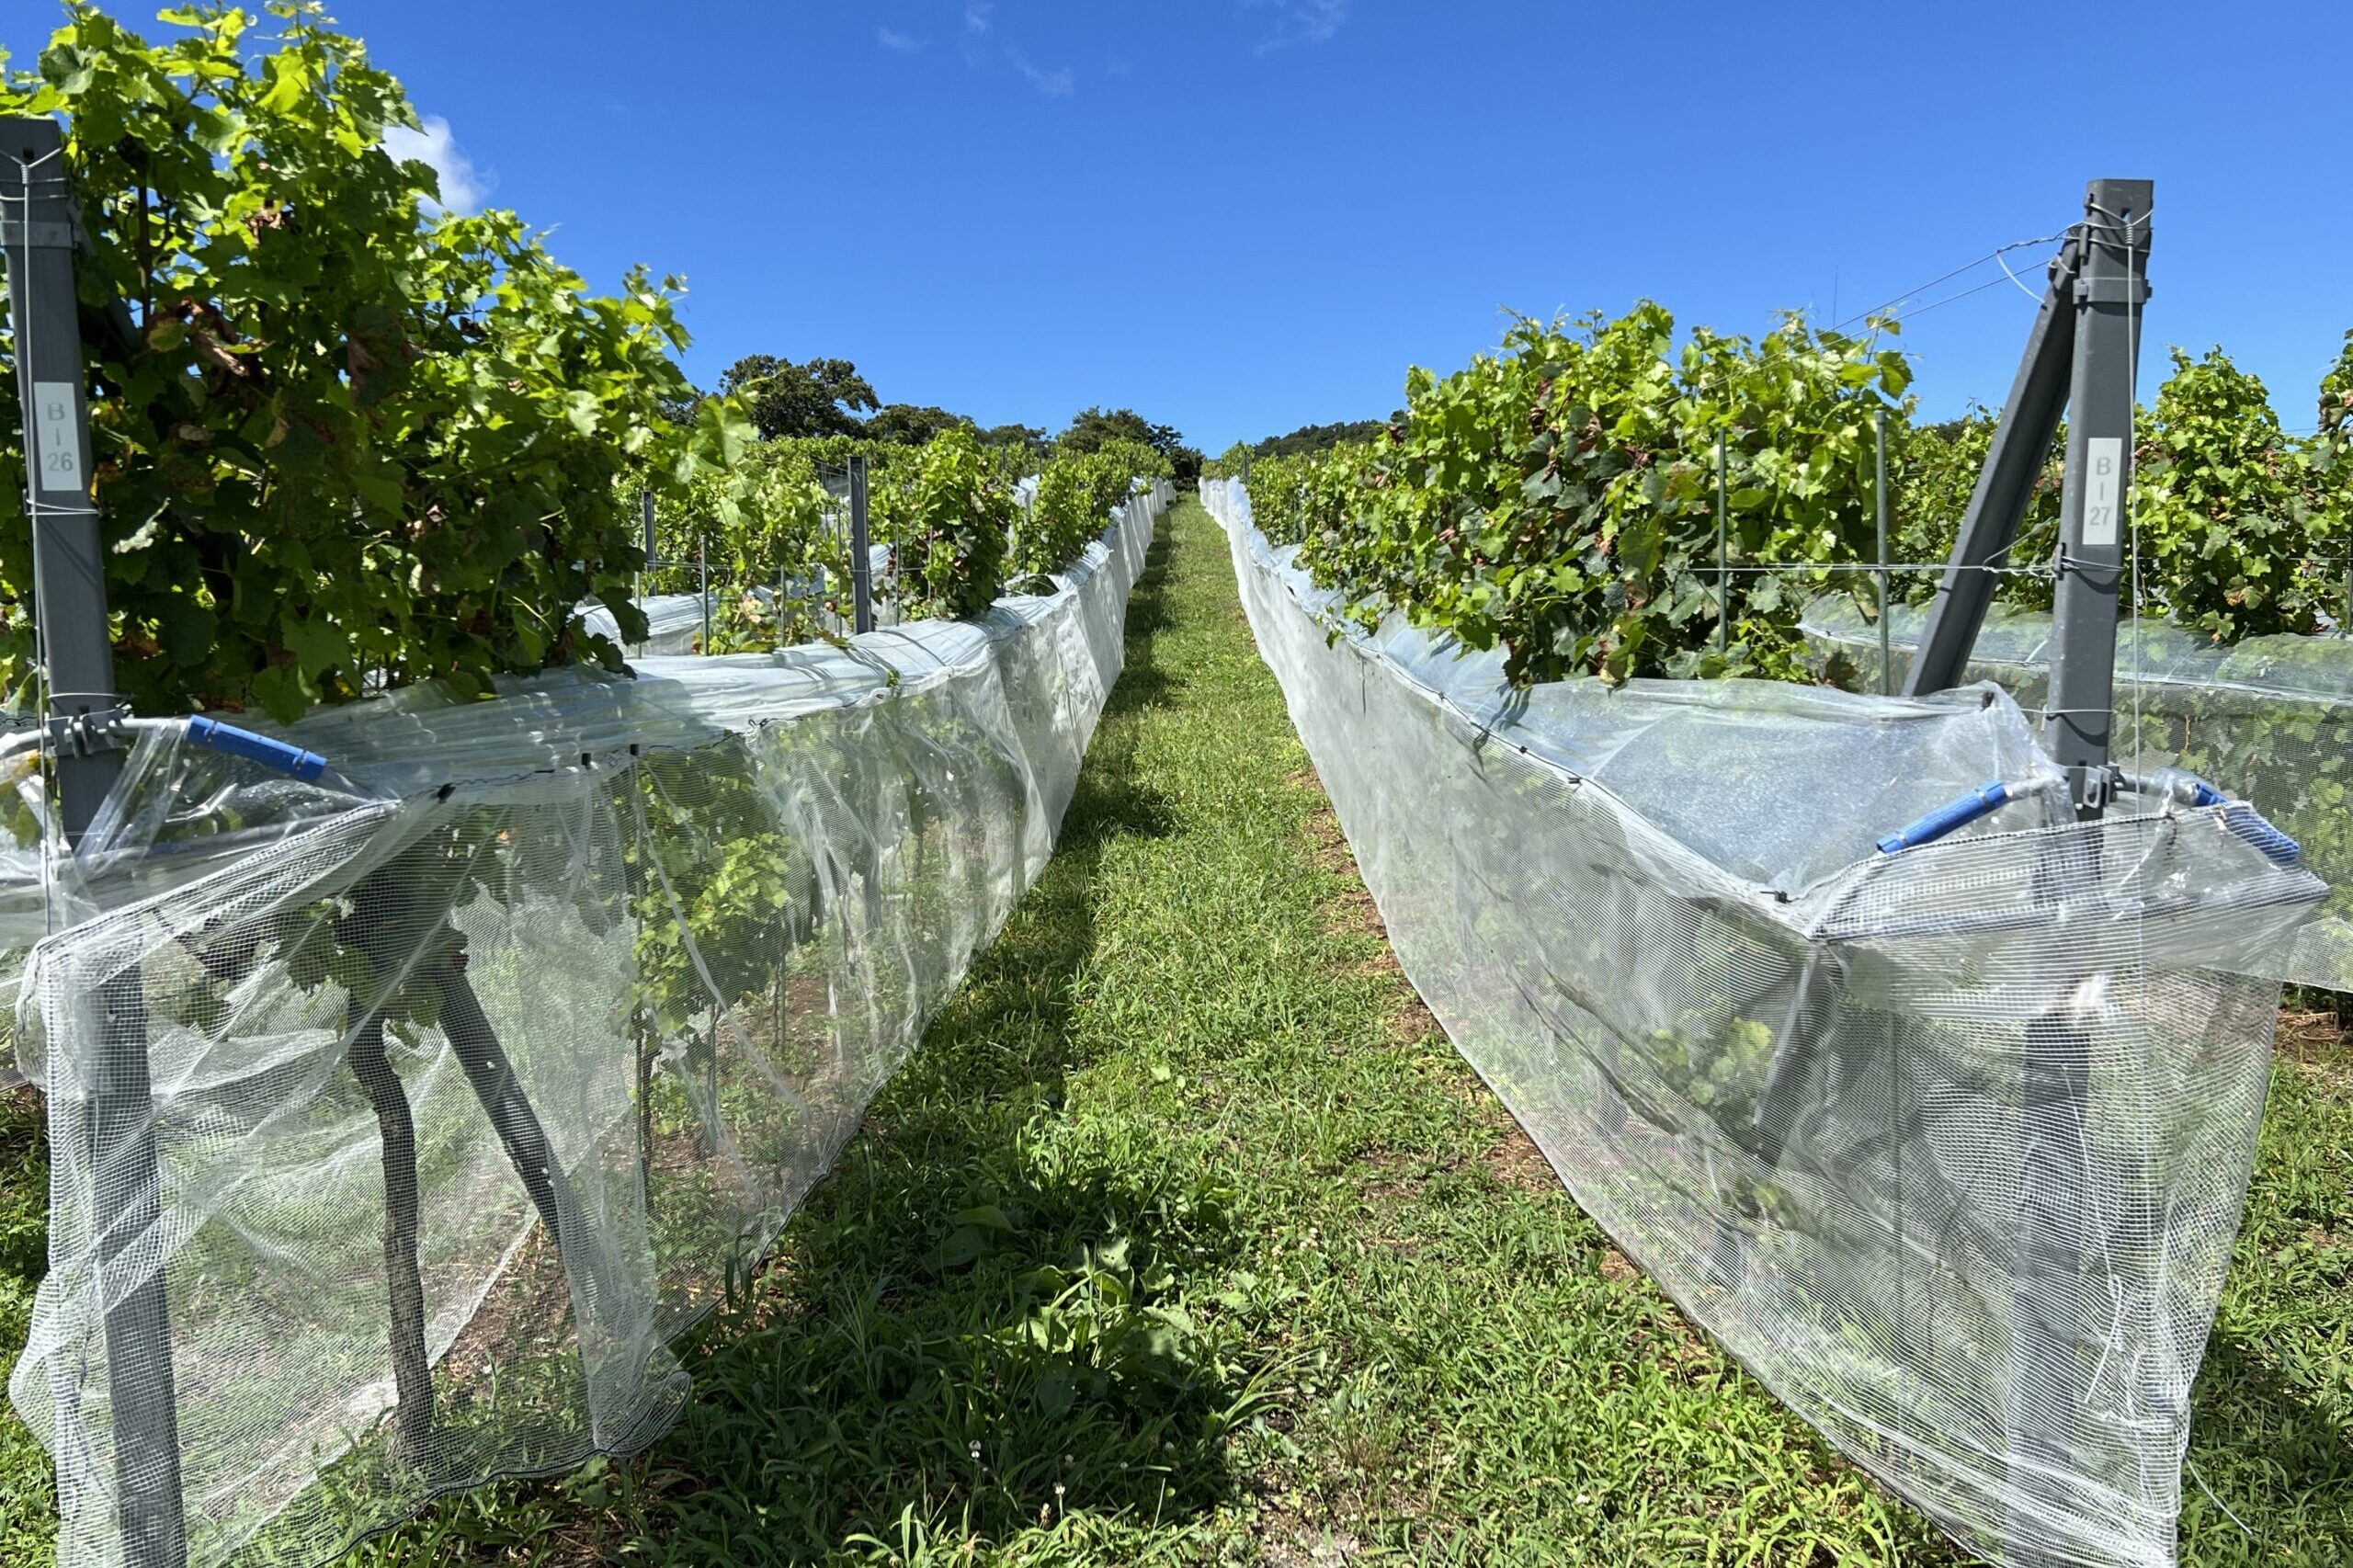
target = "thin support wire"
x: 2014, y: 278
x: 1883, y: 309
x: 1995, y: 255
x: 1939, y: 566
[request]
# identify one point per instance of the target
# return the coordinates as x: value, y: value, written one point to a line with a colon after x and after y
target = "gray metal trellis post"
x: 702, y: 589
x: 1723, y: 558
x: 2110, y: 292
x: 2080, y: 356
x: 37, y: 227
x: 645, y: 509
x: 2056, y: 1308
x: 861, y: 563
x: 1879, y: 503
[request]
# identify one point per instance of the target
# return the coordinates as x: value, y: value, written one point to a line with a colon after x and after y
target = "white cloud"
x: 1305, y: 22
x: 976, y: 16
x: 462, y: 185
x: 1054, y: 84
x: 891, y: 38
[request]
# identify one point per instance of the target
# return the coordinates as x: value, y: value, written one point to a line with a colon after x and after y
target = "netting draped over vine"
x: 1948, y: 1146
x: 674, y: 623
x: 677, y: 623
x: 2272, y: 717
x: 481, y: 1066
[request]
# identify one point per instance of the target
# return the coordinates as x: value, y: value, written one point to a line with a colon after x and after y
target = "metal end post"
x: 861, y: 563
x: 645, y: 506
x: 1723, y: 558
x: 2052, y: 1354
x: 70, y: 604
x: 1878, y: 499
x: 2107, y: 300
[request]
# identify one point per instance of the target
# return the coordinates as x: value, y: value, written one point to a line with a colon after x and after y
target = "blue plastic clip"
x: 2242, y: 821
x: 217, y: 736
x: 1952, y: 814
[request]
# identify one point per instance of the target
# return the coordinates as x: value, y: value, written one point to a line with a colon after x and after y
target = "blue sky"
x: 1238, y: 216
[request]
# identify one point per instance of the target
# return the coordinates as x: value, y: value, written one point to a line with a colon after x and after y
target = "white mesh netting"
x: 2271, y: 716
x: 1948, y: 1146
x: 478, y: 1068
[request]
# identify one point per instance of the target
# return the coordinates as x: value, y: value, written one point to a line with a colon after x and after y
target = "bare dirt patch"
x: 1286, y: 1540
x: 1394, y: 1177
x: 1516, y: 1163
x: 2315, y: 1039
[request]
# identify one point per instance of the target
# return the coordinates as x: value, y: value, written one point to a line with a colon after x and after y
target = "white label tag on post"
x: 60, y: 444
x: 2103, y: 489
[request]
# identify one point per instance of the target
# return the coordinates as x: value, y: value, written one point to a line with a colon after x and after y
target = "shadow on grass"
x: 2278, y: 1456
x: 986, y: 1316
x: 1142, y: 682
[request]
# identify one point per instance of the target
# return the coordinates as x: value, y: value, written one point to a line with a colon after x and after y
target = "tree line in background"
x: 1559, y: 498
x: 1311, y: 439
x: 344, y: 439
x: 826, y: 397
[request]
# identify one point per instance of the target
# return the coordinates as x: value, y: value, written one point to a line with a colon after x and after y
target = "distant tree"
x: 822, y: 397
x: 1308, y: 438
x: 1090, y: 427
x: 910, y: 425
x: 1030, y: 438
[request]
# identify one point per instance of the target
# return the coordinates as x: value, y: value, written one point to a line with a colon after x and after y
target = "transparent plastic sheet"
x: 1949, y: 1147
x: 482, y: 1068
x: 674, y: 624
x: 2271, y: 718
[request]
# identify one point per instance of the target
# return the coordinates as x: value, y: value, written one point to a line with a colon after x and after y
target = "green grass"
x: 28, y: 1500
x: 1186, y: 1237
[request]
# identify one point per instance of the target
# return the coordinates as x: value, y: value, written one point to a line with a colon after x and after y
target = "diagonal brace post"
x: 2022, y: 439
